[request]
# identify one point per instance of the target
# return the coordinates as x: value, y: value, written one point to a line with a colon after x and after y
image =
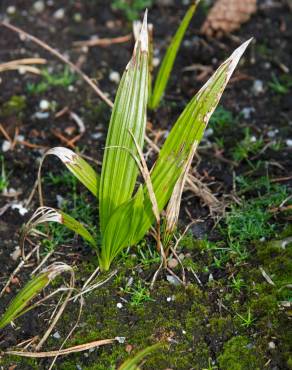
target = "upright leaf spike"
x: 119, y: 170
x: 169, y: 58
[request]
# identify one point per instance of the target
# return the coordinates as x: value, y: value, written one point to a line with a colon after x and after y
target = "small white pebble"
x: 16, y: 253
x: 44, y: 105
x: 272, y: 133
x: 156, y: 61
x: 209, y: 132
x: 56, y: 335
x: 59, y: 14
x: 173, y: 280
x: 20, y: 137
x: 39, y: 6
x: 247, y: 111
x: 60, y: 200
x: 19, y: 206
x: 187, y: 43
x: 97, y: 135
x: 121, y: 340
x: 289, y: 143
x: 258, y: 87
x: 41, y: 115
x: 6, y: 145
x: 114, y: 77
x: 21, y: 70
x: 119, y: 305
x: 84, y: 49
x: 11, y: 10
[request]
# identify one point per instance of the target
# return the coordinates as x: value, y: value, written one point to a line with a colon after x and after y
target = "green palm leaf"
x: 119, y: 170
x: 186, y: 133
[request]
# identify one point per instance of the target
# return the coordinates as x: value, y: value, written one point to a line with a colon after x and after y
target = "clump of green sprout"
x: 128, y: 210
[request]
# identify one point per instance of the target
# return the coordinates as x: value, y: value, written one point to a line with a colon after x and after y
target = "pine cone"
x: 227, y: 16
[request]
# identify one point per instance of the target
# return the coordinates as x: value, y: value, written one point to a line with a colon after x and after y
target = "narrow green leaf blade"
x: 119, y: 170
x: 186, y: 133
x: 47, y: 214
x: 19, y: 304
x: 78, y: 167
x: 169, y: 59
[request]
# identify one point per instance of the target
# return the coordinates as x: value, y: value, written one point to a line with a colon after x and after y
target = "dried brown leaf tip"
x: 227, y: 16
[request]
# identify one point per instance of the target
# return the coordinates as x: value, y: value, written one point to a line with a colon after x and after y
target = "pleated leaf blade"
x: 122, y: 228
x: 119, y: 170
x: 186, y: 133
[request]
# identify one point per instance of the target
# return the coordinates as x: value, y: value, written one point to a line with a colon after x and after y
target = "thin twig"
x: 103, y: 42
x: 79, y: 348
x: 57, y: 54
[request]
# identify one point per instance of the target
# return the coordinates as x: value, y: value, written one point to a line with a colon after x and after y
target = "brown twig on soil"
x: 59, y: 314
x: 5, y: 133
x: 64, y: 139
x: 67, y: 351
x: 281, y: 179
x: 102, y: 42
x: 57, y: 54
x: 22, y: 65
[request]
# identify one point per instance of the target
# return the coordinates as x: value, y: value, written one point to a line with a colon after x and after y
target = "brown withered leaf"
x: 227, y: 16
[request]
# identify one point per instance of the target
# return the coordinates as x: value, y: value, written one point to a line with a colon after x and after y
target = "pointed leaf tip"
x: 144, y: 33
x: 236, y: 55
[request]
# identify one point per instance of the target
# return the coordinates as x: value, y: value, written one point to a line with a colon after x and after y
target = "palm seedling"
x: 127, y: 210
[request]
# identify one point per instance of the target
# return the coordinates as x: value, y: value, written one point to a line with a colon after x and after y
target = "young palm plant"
x: 127, y: 210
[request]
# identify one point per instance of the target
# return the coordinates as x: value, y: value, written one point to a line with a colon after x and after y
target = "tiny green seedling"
x: 62, y: 79
x: 250, y: 145
x: 246, y: 321
x: 237, y: 284
x: 128, y: 210
x: 131, y: 8
x: 139, y: 294
x: 278, y: 86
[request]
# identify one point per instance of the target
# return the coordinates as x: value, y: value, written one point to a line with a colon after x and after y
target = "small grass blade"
x: 77, y: 166
x: 133, y: 363
x: 119, y: 170
x: 186, y: 133
x: 19, y: 304
x: 169, y: 59
x: 47, y: 214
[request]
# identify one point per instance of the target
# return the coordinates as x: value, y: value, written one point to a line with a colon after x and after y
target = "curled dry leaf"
x: 227, y: 16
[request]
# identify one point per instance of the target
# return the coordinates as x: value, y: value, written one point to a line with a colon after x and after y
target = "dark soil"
x: 201, y: 322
